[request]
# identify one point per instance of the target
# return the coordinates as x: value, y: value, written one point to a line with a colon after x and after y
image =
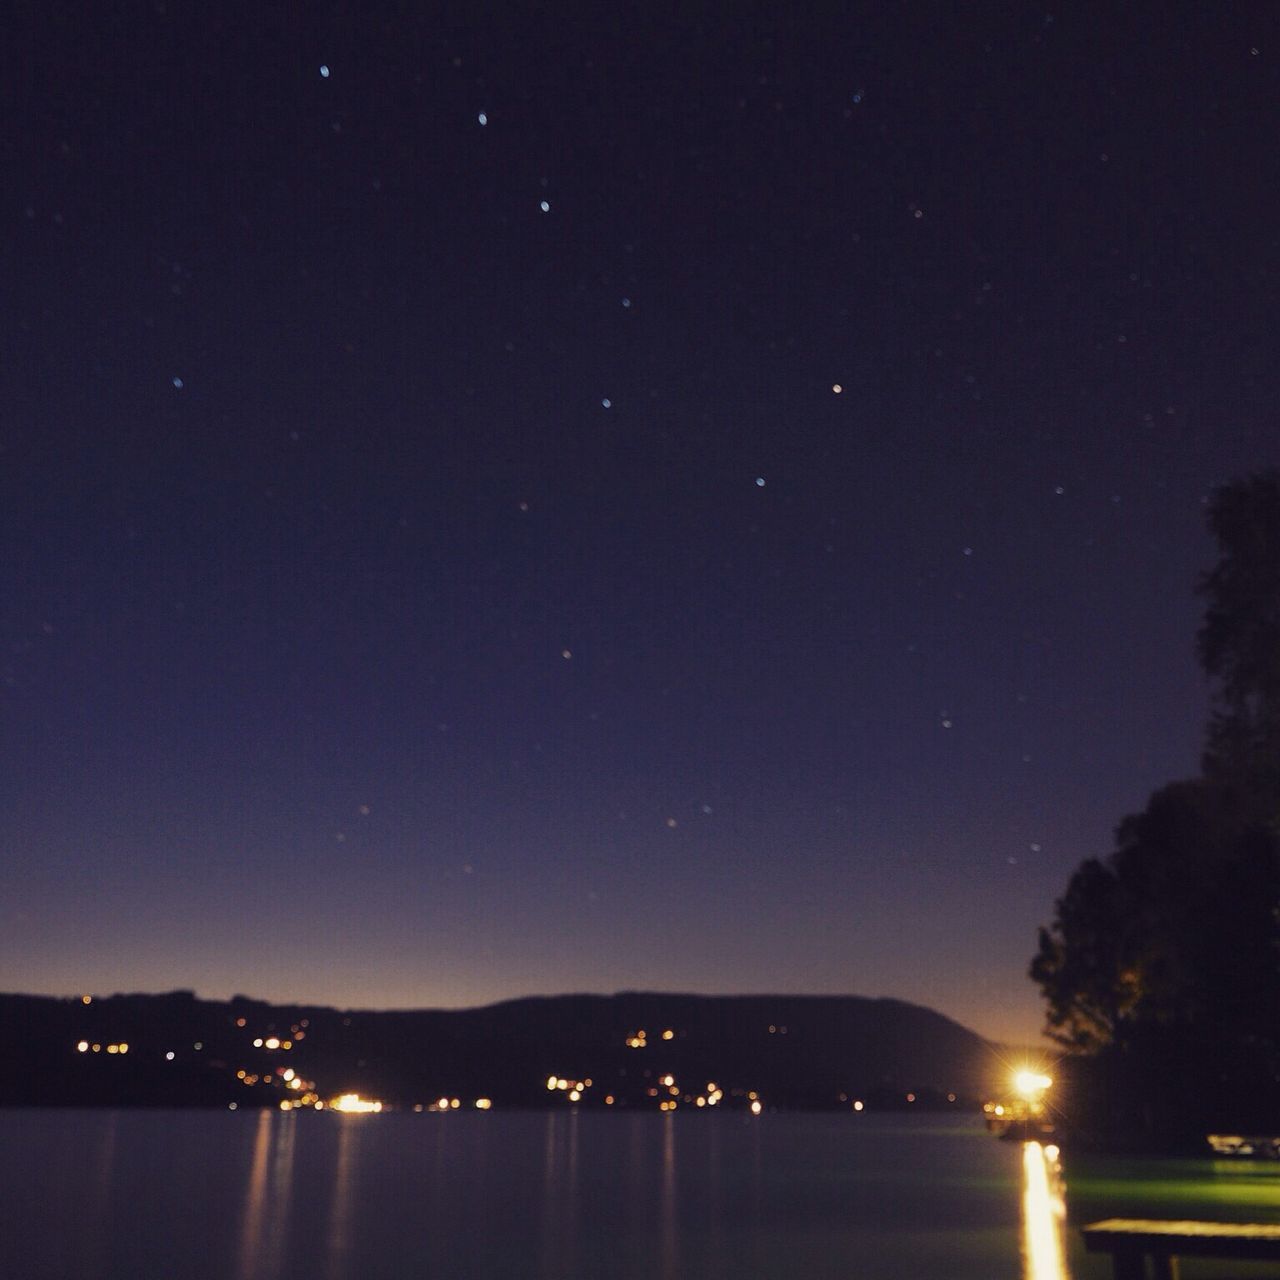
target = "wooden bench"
x: 1131, y: 1241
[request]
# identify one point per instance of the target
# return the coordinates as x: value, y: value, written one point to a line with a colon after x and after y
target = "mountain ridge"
x: 791, y: 1050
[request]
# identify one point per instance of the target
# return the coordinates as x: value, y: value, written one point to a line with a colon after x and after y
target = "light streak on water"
x: 255, y: 1200
x: 1043, y: 1212
x: 342, y: 1206
x: 670, y: 1264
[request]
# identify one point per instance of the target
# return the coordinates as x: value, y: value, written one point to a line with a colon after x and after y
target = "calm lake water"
x: 102, y: 1195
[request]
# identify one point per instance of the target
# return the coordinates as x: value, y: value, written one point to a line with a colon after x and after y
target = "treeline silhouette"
x: 1161, y: 967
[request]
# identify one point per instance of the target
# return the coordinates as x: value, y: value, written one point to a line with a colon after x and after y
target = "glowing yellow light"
x: 574, y: 1095
x: 271, y: 1043
x: 702, y: 1102
x: 286, y: 1044
x: 113, y: 1048
x: 319, y: 1106
x: 586, y: 1084
x: 257, y: 1044
x: 289, y: 1074
x: 562, y: 1083
x: 999, y: 1110
x: 86, y: 999
x: 295, y: 1084
x: 240, y: 1074
x: 82, y: 1047
x: 454, y: 1103
x: 756, y: 1108
x: 668, y: 1080
x: 1030, y: 1083
x: 552, y: 1082
x: 286, y: 1105
x: 668, y: 1034
x: 442, y: 1104
x: 483, y: 1104
x: 608, y: 1099
x: 97, y: 1048
x: 857, y: 1106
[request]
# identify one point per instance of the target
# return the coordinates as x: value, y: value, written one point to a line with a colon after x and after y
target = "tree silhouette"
x: 1239, y: 642
x: 1164, y: 957
x: 1083, y: 959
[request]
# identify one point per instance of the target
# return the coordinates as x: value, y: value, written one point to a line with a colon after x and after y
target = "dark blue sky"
x: 412, y: 595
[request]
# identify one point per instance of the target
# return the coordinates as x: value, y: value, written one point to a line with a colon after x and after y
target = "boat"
x: 1025, y: 1117
x: 1244, y: 1147
x: 1017, y: 1121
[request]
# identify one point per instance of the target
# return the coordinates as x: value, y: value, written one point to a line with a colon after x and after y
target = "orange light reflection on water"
x: 1043, y: 1212
x: 255, y: 1199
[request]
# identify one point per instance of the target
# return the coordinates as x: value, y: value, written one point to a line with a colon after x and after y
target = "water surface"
x: 105, y: 1195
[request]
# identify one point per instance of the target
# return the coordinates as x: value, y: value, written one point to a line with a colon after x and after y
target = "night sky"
x: 503, y: 499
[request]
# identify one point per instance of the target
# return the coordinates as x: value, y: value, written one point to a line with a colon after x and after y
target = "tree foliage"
x: 1166, y: 953
x: 1176, y: 927
x: 1239, y: 642
x: 1080, y: 961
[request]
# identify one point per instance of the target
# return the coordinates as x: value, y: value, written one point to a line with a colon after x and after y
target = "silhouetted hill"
x: 791, y: 1051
